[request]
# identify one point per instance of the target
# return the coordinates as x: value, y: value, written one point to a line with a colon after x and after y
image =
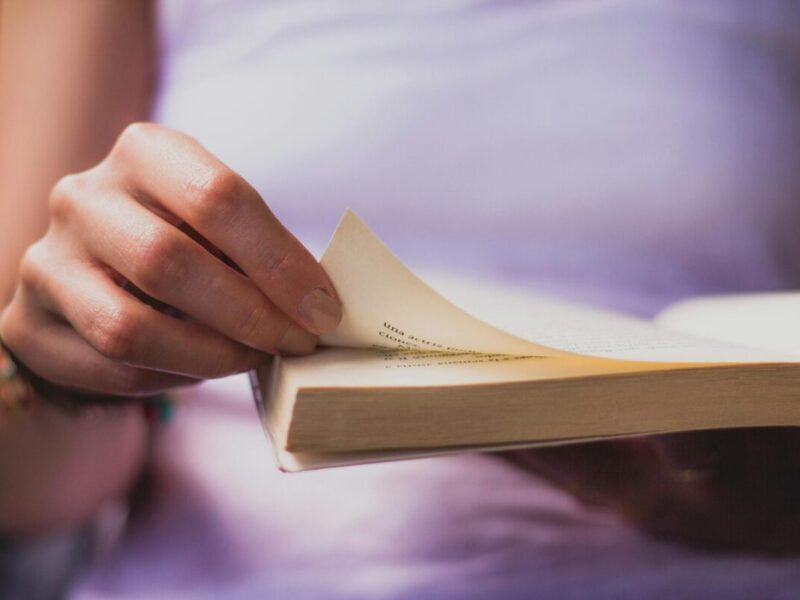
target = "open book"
x: 409, y: 373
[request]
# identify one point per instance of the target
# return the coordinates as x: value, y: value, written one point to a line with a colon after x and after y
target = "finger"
x: 123, y: 329
x: 169, y: 266
x: 178, y: 173
x: 59, y: 355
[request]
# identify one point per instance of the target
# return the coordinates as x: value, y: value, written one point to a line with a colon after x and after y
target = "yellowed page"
x: 386, y: 305
x: 766, y: 321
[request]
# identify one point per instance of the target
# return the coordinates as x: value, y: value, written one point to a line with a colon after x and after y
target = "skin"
x: 56, y: 470
x: 125, y: 222
x: 134, y: 261
x: 128, y: 217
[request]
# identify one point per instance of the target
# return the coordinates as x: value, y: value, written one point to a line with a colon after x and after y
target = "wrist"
x: 20, y: 388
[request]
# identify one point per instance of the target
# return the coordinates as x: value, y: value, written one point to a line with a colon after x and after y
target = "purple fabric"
x: 224, y: 523
x: 628, y: 153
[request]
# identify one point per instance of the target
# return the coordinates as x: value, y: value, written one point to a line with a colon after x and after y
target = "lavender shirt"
x: 626, y: 153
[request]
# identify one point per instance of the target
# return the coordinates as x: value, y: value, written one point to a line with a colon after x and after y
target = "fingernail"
x: 321, y: 311
x: 296, y: 341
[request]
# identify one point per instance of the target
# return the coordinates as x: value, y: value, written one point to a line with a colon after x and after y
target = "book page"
x: 386, y: 305
x: 587, y: 330
x: 767, y: 321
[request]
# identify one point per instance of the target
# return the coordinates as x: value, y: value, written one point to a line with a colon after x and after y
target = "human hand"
x: 162, y: 267
x: 731, y: 489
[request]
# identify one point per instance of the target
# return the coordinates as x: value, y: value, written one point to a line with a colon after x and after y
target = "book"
x: 413, y: 372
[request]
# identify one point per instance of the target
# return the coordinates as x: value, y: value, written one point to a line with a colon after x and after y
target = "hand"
x: 162, y: 267
x: 729, y: 489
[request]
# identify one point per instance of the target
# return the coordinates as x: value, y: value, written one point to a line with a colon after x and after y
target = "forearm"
x: 72, y: 75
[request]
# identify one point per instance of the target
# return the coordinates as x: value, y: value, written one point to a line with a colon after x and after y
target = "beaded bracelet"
x: 20, y: 388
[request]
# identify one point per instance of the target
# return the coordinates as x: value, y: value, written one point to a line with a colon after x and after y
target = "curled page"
x: 387, y: 306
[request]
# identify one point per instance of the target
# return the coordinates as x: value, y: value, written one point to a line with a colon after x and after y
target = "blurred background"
x: 629, y: 152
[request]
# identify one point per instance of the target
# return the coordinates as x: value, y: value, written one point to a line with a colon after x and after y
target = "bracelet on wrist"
x: 20, y: 388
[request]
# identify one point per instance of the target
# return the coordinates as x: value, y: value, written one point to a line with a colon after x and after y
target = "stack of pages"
x: 408, y: 373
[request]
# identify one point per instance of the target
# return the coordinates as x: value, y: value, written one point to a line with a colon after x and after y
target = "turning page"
x: 386, y: 306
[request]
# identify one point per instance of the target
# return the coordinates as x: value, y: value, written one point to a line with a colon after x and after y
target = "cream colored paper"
x: 386, y: 305
x: 769, y: 321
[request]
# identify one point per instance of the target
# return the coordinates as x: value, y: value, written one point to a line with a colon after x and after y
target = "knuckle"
x: 34, y: 263
x: 115, y: 334
x: 135, y: 141
x: 277, y: 266
x: 133, y: 138
x: 255, y: 323
x: 213, y: 196
x: 18, y: 319
x: 66, y: 194
x: 159, y: 258
x: 12, y: 327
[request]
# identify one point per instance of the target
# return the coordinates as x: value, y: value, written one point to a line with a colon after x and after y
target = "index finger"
x: 176, y: 172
